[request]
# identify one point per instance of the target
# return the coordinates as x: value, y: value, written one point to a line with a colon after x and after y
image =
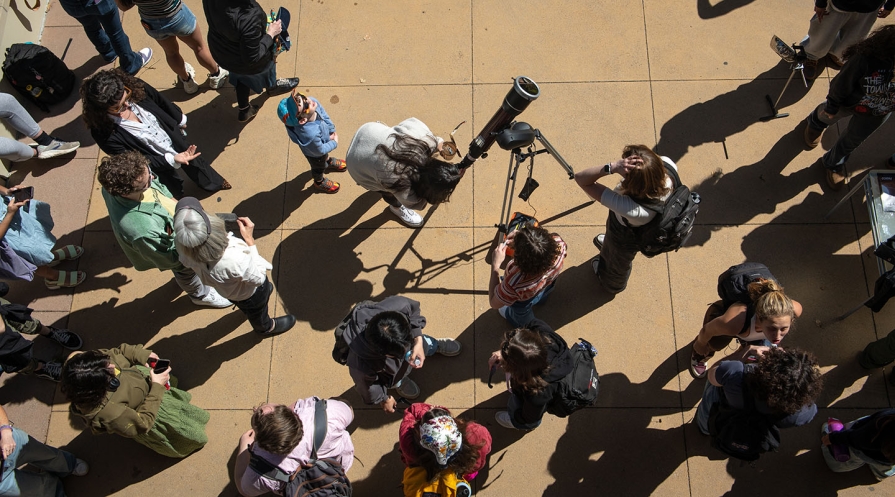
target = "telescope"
x: 523, y: 92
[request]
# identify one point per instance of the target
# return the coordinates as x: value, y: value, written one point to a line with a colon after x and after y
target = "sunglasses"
x: 117, y: 108
x: 302, y: 102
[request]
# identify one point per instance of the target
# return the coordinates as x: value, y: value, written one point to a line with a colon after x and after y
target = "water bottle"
x: 838, y: 451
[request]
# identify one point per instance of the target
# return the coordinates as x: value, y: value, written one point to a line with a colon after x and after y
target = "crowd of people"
x: 129, y: 390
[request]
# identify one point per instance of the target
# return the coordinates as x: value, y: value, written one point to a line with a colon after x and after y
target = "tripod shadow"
x: 724, y: 115
x: 706, y: 10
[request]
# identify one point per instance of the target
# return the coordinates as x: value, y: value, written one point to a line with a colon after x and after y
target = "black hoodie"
x: 533, y: 406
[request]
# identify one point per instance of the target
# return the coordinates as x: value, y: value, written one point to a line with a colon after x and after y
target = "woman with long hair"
x: 118, y: 391
x: 125, y: 113
x: 647, y: 181
x: 168, y: 21
x: 864, y: 90
x: 399, y: 163
x: 765, y: 320
x: 535, y: 358
x: 868, y: 440
x: 434, y: 445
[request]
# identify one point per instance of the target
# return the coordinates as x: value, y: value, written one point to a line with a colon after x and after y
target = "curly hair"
x: 787, y: 380
x: 117, y: 173
x: 103, y: 90
x: 535, y: 250
x: 769, y: 300
x: 85, y: 379
x: 879, y: 45
x: 524, y: 354
x: 648, y: 180
x: 279, y: 431
x: 429, y: 178
x: 461, y: 463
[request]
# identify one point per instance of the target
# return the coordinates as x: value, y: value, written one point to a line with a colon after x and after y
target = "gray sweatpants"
x: 838, y: 31
x: 16, y: 116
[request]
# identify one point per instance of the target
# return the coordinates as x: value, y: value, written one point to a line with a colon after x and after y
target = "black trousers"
x: 255, y: 307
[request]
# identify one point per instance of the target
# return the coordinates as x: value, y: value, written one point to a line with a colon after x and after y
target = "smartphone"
x: 23, y: 194
x: 161, y: 366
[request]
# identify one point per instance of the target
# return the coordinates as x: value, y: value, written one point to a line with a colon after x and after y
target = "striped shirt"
x: 517, y: 287
x: 157, y: 9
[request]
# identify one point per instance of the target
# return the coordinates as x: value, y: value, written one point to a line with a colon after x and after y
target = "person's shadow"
x: 706, y: 10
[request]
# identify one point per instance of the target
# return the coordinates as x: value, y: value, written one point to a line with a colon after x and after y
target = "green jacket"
x: 132, y: 408
x: 142, y: 231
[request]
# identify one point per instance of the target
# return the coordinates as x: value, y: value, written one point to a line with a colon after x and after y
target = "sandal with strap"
x: 67, y: 279
x: 66, y: 253
x: 336, y: 165
x: 327, y: 186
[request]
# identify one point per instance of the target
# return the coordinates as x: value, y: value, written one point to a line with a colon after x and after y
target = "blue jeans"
x: 55, y: 464
x: 103, y: 27
x: 880, y: 470
x: 710, y: 396
x: 520, y: 313
x: 182, y: 23
x: 860, y: 126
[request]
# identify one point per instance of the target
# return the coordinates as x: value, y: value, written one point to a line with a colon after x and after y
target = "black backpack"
x: 340, y: 349
x: 674, y: 220
x: 580, y: 387
x: 744, y: 433
x: 733, y: 284
x: 36, y: 73
x: 317, y: 478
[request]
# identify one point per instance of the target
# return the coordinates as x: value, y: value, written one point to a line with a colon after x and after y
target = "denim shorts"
x: 183, y: 23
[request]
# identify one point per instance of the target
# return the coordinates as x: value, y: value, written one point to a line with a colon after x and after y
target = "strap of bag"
x: 320, y: 422
x: 267, y: 469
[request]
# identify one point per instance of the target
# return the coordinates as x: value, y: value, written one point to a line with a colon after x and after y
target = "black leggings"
x: 390, y: 199
x: 242, y: 95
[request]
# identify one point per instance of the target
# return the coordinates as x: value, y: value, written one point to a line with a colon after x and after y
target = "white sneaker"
x: 213, y: 299
x: 81, y: 468
x: 408, y: 216
x: 217, y: 82
x: 145, y: 56
x: 56, y: 148
x: 503, y: 419
x: 189, y: 86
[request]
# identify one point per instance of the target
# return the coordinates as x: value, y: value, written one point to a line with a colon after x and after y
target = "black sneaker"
x: 50, y: 371
x: 246, y: 115
x: 280, y: 325
x: 283, y: 85
x: 65, y: 338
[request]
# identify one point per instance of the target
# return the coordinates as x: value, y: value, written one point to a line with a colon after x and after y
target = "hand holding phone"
x: 23, y: 194
x: 160, y: 365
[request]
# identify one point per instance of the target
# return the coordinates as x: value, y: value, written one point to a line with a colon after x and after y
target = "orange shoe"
x: 327, y: 186
x: 336, y: 165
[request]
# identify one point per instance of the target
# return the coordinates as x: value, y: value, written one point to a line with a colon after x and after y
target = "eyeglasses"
x: 116, y: 109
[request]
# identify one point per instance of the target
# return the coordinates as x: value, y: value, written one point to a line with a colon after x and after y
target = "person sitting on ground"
x: 645, y: 183
x: 48, y: 146
x: 27, y: 242
x: 784, y: 385
x: 283, y: 437
x: 118, y: 391
x: 230, y: 265
x: 398, y: 163
x: 308, y: 125
x: 535, y: 359
x: 170, y: 20
x: 530, y: 276
x: 765, y: 321
x: 20, y: 449
x: 241, y: 41
x: 386, y: 343
x: 141, y: 211
x: 435, y: 445
x: 15, y: 350
x: 869, y: 440
x: 125, y: 113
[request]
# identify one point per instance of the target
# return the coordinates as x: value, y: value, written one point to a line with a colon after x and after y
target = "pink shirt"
x: 337, y: 445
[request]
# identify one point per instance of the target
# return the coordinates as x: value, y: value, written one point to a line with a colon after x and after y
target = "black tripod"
x: 796, y: 56
x: 514, y: 138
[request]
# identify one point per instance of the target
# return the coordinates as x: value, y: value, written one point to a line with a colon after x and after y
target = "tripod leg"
x: 843, y: 316
x: 788, y: 81
x: 506, y: 206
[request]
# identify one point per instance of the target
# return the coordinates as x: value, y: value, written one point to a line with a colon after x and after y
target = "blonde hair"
x: 769, y: 300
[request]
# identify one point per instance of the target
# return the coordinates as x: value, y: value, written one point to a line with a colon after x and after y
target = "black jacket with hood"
x: 532, y: 406
x: 237, y: 35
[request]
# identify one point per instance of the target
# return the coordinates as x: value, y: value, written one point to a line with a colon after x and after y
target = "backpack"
x: 579, y: 388
x: 742, y: 433
x: 340, y: 349
x: 36, y: 73
x: 317, y: 478
x: 674, y: 219
x: 446, y: 484
x: 733, y: 284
